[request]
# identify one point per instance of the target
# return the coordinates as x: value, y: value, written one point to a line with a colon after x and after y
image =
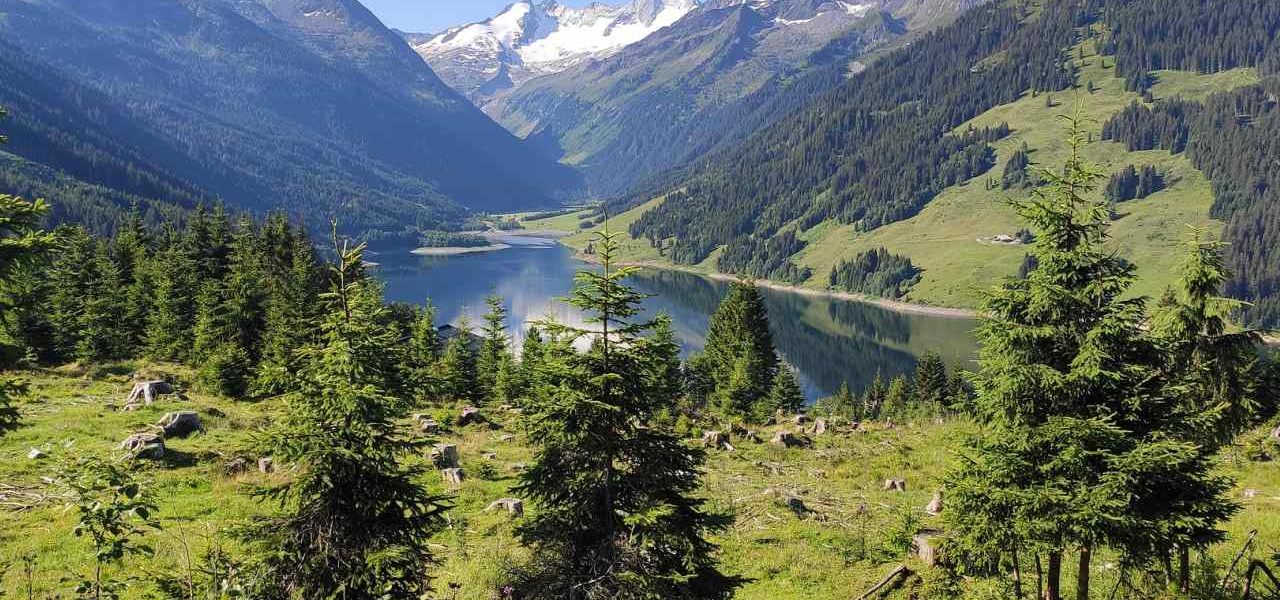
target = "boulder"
x: 36, y: 454
x: 146, y: 392
x: 716, y: 440
x: 144, y: 445
x: 935, y: 506
x: 820, y: 427
x: 925, y: 546
x: 180, y: 424
x: 895, y: 485
x: 470, y: 416
x: 513, y: 506
x: 452, y: 476
x: 266, y: 464
x: 444, y: 456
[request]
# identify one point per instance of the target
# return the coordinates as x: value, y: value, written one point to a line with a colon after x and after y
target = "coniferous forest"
x: 218, y: 400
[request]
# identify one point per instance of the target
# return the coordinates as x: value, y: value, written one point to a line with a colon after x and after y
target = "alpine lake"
x: 827, y: 340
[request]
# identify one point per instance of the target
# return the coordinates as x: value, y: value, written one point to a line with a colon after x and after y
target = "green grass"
x: 944, y: 239
x: 833, y: 552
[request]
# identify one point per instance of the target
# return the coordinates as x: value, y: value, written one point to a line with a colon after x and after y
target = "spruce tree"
x: 102, y: 331
x: 786, y: 394
x: 290, y: 313
x: 423, y: 354
x: 897, y: 399
x: 741, y: 353
x: 456, y: 370
x: 495, y: 346
x: 1063, y: 365
x: 617, y: 516
x: 131, y: 249
x: 531, y: 353
x: 172, y: 315
x: 873, y: 399
x: 930, y: 383
x: 22, y: 243
x: 357, y: 519
x: 70, y: 276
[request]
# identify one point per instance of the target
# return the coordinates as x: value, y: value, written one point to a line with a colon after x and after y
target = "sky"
x: 432, y: 16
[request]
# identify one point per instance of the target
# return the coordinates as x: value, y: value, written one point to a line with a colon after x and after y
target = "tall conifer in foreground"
x: 616, y: 515
x: 741, y: 353
x: 1062, y: 368
x: 356, y: 518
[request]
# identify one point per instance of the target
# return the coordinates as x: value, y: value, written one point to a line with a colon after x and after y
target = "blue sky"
x: 421, y: 16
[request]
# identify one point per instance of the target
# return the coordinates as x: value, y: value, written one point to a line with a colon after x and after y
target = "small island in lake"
x: 448, y: 243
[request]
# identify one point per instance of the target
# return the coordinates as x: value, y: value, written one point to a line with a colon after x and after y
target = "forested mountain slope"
x: 720, y: 73
x: 311, y: 106
x: 795, y: 200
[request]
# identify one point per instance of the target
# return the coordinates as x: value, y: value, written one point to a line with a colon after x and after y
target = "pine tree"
x: 358, y: 521
x: 22, y: 243
x: 1062, y: 368
x: 171, y: 318
x: 532, y: 351
x: 423, y: 354
x: 131, y: 249
x: 244, y: 289
x: 102, y: 332
x: 617, y: 516
x: 786, y: 394
x: 740, y: 351
x: 897, y: 399
x: 931, y: 385
x: 494, y: 345
x: 873, y: 399
x: 70, y: 275
x: 668, y: 378
x: 456, y: 370
x: 291, y: 298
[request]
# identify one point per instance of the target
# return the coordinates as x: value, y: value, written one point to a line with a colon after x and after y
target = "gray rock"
x: 181, y: 424
x: 144, y: 445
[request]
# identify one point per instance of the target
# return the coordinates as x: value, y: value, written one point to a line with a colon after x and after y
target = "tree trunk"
x: 1039, y: 578
x: 1017, y: 575
x: 1184, y: 569
x: 1082, y: 575
x: 1053, y: 579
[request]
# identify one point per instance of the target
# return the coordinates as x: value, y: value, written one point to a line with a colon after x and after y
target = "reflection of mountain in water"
x: 829, y: 341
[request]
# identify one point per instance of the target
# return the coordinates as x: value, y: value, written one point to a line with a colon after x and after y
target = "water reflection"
x: 828, y: 341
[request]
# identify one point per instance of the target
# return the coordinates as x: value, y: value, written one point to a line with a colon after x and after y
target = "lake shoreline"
x: 457, y: 250
x: 894, y: 305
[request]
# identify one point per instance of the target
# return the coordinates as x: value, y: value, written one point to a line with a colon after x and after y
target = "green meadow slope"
x: 947, y: 238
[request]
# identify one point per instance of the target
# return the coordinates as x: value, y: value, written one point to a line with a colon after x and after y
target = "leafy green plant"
x: 113, y: 512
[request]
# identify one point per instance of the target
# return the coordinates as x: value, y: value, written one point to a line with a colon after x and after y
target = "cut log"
x: 144, y: 445
x: 146, y: 392
x: 180, y: 424
x: 452, y: 476
x: 513, y: 506
x: 444, y: 456
x: 901, y: 571
x: 935, y: 506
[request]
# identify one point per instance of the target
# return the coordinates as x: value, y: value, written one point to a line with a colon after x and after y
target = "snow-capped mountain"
x: 535, y: 38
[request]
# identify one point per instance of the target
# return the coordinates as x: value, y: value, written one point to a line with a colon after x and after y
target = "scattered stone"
x: 36, y: 454
x: 1250, y: 494
x: 147, y: 392
x: 470, y: 416
x: 452, y: 476
x: 787, y: 439
x: 513, y: 506
x: 716, y: 440
x: 924, y: 545
x: 895, y: 485
x: 180, y: 424
x: 935, y: 506
x: 820, y: 427
x: 444, y: 456
x: 144, y: 445
x: 266, y: 464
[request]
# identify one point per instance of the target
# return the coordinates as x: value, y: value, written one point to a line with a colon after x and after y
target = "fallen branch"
x: 901, y: 571
x: 1254, y: 568
x: 1245, y: 548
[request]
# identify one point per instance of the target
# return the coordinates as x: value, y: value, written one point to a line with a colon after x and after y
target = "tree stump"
x: 180, y: 424
x: 786, y: 439
x: 716, y: 440
x: 935, y: 506
x: 800, y: 419
x: 470, y: 416
x: 820, y: 427
x: 444, y: 456
x: 144, y: 445
x: 513, y: 506
x: 36, y: 454
x: 452, y: 476
x: 1275, y: 435
x: 147, y: 392
x: 924, y: 545
x: 895, y: 485
x: 266, y: 464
